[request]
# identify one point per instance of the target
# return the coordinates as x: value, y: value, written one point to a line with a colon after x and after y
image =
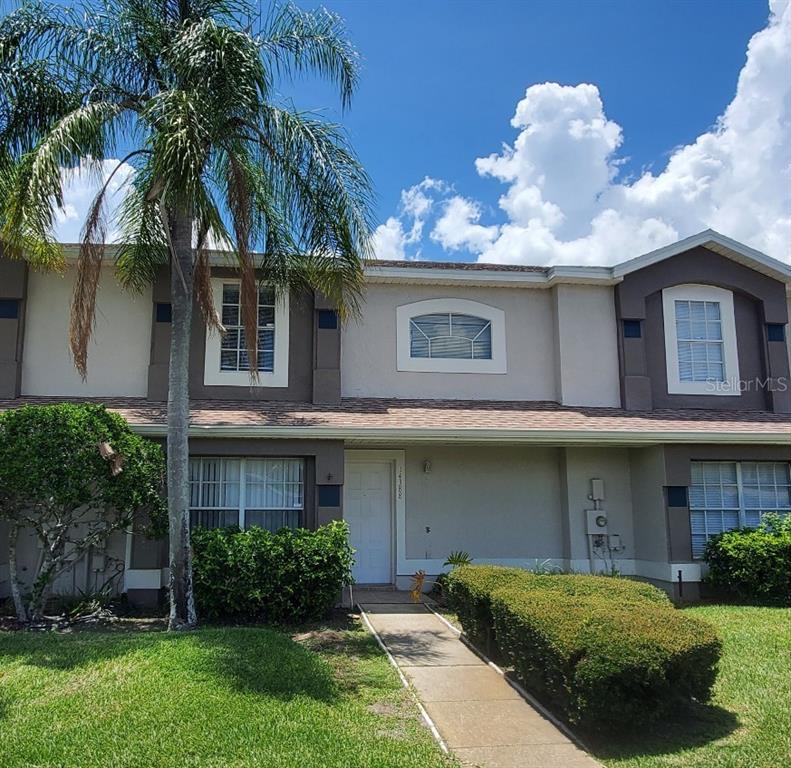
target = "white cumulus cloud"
x: 391, y: 239
x: 564, y: 199
x: 458, y: 226
x: 80, y: 188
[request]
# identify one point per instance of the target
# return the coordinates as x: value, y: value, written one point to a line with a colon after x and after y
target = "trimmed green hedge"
x: 753, y: 564
x: 284, y: 578
x: 606, y: 652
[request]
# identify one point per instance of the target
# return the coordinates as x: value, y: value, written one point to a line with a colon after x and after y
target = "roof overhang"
x: 513, y: 276
x: 489, y: 277
x: 371, y: 435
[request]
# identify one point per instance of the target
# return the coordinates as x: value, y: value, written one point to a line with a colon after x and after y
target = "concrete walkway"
x: 481, y: 718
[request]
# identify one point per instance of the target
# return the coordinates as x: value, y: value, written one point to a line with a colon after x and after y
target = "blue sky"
x: 583, y: 131
x: 440, y: 79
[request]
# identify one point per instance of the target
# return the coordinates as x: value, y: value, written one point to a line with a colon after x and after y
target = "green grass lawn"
x: 229, y: 698
x: 748, y: 724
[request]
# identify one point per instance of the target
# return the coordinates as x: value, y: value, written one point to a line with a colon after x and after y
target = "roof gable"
x: 713, y: 241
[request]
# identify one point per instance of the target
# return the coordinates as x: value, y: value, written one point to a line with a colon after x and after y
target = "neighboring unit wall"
x: 118, y: 353
x: 99, y: 568
x: 324, y: 476
x: 586, y: 348
x: 368, y: 364
x: 758, y: 300
x: 496, y: 502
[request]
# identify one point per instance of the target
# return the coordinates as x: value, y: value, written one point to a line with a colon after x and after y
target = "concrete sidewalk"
x: 481, y: 718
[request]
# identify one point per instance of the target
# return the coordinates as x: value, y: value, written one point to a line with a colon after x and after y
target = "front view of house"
x: 585, y: 418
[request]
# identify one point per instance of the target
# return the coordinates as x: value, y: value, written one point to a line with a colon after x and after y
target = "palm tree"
x: 185, y: 92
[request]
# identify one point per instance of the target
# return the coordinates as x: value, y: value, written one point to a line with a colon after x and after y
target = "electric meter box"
x: 597, y: 521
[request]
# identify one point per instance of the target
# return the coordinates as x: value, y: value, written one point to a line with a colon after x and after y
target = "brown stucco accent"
x: 13, y: 285
x: 758, y: 299
x: 324, y: 465
x: 300, y: 356
x: 678, y: 459
x: 326, y: 357
x: 160, y: 339
x: 314, y: 354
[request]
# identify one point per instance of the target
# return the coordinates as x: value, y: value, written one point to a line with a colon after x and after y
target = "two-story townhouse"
x: 587, y: 418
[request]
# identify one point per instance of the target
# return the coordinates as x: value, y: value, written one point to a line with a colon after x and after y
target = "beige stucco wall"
x: 494, y: 502
x: 119, y: 351
x: 368, y: 363
x: 586, y: 345
x: 648, y: 503
x: 610, y: 465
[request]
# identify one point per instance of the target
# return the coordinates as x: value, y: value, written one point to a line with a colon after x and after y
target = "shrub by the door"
x: 284, y: 577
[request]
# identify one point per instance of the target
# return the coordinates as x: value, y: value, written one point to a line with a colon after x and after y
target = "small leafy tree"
x: 74, y: 474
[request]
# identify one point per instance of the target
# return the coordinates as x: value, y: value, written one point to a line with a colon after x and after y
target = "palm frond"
x: 201, y: 280
x: 295, y: 41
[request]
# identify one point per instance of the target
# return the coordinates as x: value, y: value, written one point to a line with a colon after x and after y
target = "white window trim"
x: 694, y: 292
x: 496, y: 317
x: 212, y: 374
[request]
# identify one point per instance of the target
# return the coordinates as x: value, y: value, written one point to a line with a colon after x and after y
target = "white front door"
x: 367, y: 508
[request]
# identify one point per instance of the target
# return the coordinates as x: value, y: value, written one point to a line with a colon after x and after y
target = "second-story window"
x: 233, y: 354
x: 700, y: 341
x: 226, y: 361
x: 450, y: 335
x: 701, y: 354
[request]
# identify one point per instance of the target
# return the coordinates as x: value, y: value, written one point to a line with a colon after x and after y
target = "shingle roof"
x: 471, y: 266
x: 376, y: 418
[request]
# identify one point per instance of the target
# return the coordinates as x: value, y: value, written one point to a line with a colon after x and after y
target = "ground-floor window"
x: 730, y: 494
x: 246, y: 492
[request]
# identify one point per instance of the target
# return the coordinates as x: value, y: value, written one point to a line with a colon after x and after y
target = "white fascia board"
x: 489, y: 277
x: 471, y: 436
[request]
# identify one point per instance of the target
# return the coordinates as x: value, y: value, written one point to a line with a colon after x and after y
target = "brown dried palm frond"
x: 239, y: 196
x: 202, y: 285
x: 89, y: 269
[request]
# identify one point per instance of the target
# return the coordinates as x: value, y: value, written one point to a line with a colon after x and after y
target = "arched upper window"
x: 451, y: 336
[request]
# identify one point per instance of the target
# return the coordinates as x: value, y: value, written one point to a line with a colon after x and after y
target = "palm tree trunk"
x: 182, y: 603
x: 16, y: 595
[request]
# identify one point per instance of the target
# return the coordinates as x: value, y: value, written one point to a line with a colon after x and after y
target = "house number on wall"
x: 400, y: 485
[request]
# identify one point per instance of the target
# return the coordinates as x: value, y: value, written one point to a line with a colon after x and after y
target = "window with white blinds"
x: 246, y: 492
x: 701, y: 354
x: 451, y: 336
x: 233, y: 347
x: 724, y: 495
